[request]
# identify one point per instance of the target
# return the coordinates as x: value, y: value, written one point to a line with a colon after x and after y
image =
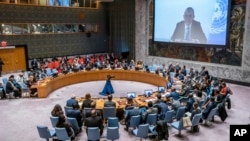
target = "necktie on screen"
x: 187, y: 34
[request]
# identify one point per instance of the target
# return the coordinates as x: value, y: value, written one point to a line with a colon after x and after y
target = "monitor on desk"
x: 148, y: 92
x: 131, y: 95
x: 161, y: 89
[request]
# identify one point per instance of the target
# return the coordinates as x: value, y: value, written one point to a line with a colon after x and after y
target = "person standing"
x: 108, y: 88
x: 1, y: 66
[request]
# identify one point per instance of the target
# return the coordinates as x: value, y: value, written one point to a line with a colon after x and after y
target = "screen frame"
x: 227, y: 38
x: 161, y: 87
x: 134, y: 93
x: 147, y: 91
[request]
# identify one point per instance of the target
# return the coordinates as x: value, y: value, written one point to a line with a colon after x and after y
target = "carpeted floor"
x: 19, y: 117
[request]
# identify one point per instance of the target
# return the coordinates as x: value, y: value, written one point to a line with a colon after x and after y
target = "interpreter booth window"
x: 6, y: 29
x: 63, y: 3
x: 19, y: 29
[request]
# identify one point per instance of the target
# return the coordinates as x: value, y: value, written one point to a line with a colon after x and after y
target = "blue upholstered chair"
x: 169, y: 115
x: 178, y: 125
x: 62, y: 135
x: 210, y: 116
x: 66, y: 108
x: 54, y: 120
x: 141, y: 131
x: 93, y: 133
x: 74, y: 124
x: 196, y: 121
x: 45, y: 132
x: 113, y: 122
x: 135, y: 121
x: 180, y: 113
x: 151, y: 120
x: 113, y: 133
x: 109, y: 112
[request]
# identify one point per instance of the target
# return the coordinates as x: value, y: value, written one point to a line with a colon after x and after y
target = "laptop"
x: 148, y: 92
x: 131, y: 95
x: 161, y: 89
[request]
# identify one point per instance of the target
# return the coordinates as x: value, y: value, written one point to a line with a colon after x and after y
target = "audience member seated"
x: 208, y: 107
x: 173, y: 94
x: 57, y: 111
x: 93, y: 107
x: 62, y: 123
x: 2, y: 92
x: 161, y: 106
x: 10, y: 87
x: 190, y: 102
x: 30, y: 82
x: 87, y: 101
x: 76, y: 113
x: 196, y: 110
x: 94, y: 121
x: 150, y: 110
x: 71, y: 101
x: 110, y: 103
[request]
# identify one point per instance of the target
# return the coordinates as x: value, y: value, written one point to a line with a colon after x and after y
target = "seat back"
x: 196, y: 119
x: 135, y: 121
x: 62, y: 134
x: 5, y: 80
x: 151, y: 119
x: 66, y: 108
x: 169, y: 115
x: 180, y: 113
x: 74, y: 123
x: 54, y: 120
x: 113, y: 122
x: 113, y: 133
x: 201, y: 102
x: 212, y: 113
x: 44, y: 132
x: 142, y: 130
x: 93, y: 133
x: 109, y: 112
x: 85, y: 111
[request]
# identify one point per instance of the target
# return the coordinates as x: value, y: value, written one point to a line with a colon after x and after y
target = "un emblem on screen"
x: 239, y: 132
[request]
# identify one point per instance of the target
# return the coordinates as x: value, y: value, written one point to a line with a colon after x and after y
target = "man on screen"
x: 189, y: 30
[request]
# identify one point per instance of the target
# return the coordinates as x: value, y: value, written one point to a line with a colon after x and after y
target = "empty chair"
x: 141, y: 131
x: 169, y: 115
x: 113, y: 133
x: 62, y: 134
x: 74, y: 124
x: 54, y: 120
x: 45, y: 132
x: 196, y: 122
x: 151, y: 120
x: 135, y: 121
x: 109, y: 112
x: 180, y: 113
x: 93, y: 133
x: 178, y: 125
x: 113, y: 122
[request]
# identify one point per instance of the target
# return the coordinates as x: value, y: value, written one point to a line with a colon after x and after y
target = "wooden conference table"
x: 45, y: 87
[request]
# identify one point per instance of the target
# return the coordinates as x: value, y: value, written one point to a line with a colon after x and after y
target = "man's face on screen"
x: 188, y: 17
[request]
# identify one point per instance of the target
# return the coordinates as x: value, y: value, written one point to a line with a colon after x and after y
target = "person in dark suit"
x: 87, y: 102
x: 110, y: 103
x: 150, y: 110
x: 75, y: 113
x: 94, y: 121
x: 189, y: 30
x: 10, y: 87
x: 71, y: 101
